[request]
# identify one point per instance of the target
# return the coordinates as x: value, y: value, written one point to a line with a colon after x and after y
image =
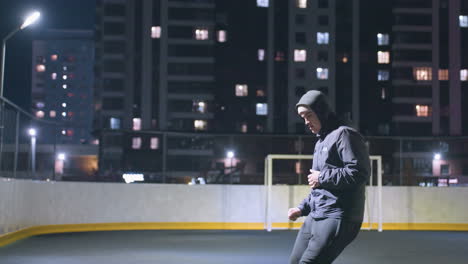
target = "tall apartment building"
x: 214, y: 66
x: 275, y: 51
x: 62, y: 82
x: 420, y: 67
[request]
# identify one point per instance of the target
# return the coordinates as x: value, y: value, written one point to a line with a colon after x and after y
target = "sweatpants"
x: 320, y: 241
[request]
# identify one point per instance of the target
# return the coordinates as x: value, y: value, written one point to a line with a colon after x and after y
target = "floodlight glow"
x: 437, y: 156
x: 61, y: 156
x: 32, y: 132
x: 31, y: 19
x: 230, y: 154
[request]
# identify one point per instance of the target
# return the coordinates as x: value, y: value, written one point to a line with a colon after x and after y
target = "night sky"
x: 55, y: 14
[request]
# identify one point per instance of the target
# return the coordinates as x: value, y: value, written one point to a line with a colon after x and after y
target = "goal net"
x: 282, y: 169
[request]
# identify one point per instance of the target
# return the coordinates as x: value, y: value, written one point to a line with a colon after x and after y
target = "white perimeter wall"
x: 25, y: 203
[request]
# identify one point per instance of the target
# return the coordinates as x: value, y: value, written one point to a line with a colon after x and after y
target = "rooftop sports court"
x: 215, y: 246
x: 50, y: 222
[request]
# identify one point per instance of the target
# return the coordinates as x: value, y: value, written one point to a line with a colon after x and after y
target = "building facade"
x: 211, y: 66
x: 62, y: 84
x: 171, y: 74
x: 419, y: 67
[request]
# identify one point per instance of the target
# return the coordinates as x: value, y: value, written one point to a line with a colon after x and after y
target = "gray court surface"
x: 244, y: 247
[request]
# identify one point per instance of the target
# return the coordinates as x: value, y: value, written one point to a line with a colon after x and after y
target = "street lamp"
x: 32, y: 18
x: 61, y: 156
x: 33, y: 133
x: 230, y: 155
x: 28, y: 21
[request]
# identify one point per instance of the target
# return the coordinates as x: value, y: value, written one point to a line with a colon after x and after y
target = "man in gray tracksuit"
x: 340, y: 170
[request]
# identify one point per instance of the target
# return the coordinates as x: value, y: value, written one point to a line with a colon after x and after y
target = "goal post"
x: 376, y: 191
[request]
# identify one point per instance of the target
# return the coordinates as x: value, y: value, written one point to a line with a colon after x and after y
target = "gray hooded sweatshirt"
x: 342, y: 158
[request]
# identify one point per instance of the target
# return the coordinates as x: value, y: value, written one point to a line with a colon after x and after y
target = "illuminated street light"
x: 33, y: 133
x: 230, y: 155
x: 28, y: 21
x: 31, y: 19
x: 61, y: 156
x: 437, y: 156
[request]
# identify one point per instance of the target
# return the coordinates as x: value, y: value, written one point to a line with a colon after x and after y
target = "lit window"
x: 114, y: 123
x: 464, y: 75
x: 40, y: 104
x: 64, y: 105
x: 322, y: 73
x: 154, y: 143
x: 298, y: 167
x: 262, y: 109
x: 345, y: 59
x: 322, y: 38
x: 201, y: 34
x: 200, y: 125
x: 301, y: 3
x: 262, y: 3
x: 69, y: 132
x: 241, y: 90
x: 300, y: 55
x: 156, y: 32
x: 64, y: 86
x: 54, y: 76
x: 382, y: 94
x: 443, y: 75
x: 422, y: 110
x: 222, y: 36
x: 199, y: 106
x: 244, y: 127
x: 136, y: 143
x: 383, y: 57
x: 64, y: 132
x: 52, y: 113
x: 64, y: 77
x: 54, y: 57
x: 40, y: 68
x: 261, y: 54
x: 383, y: 39
x: 383, y: 75
x: 260, y: 93
x: 422, y: 73
x: 65, y: 68
x: 137, y: 124
x: 64, y: 114
x: 463, y: 21
x: 40, y: 114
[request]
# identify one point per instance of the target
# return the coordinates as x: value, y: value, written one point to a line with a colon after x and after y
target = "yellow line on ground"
x: 9, y: 238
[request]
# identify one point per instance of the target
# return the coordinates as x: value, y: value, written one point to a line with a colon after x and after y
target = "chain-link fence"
x: 239, y: 158
x: 27, y: 144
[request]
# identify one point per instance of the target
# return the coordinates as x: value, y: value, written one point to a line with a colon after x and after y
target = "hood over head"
x: 317, y: 102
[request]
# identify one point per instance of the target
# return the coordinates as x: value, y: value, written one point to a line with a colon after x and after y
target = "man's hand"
x: 313, y: 179
x: 294, y: 213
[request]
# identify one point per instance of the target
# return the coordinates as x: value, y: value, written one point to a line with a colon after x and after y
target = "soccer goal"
x: 373, y: 204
